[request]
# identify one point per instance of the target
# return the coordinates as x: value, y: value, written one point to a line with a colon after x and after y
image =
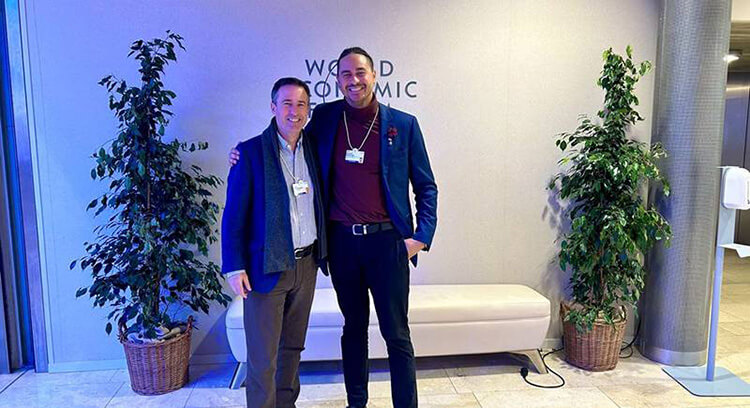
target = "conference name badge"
x: 300, y: 187
x: 355, y: 156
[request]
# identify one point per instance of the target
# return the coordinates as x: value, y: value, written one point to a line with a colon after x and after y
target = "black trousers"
x: 376, y: 262
x: 275, y: 330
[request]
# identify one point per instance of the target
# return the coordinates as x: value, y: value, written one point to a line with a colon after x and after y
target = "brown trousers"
x: 275, y: 330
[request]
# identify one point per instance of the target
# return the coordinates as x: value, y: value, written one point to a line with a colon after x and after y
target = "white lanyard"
x: 286, y: 167
x: 291, y: 171
x: 299, y: 186
x: 346, y: 127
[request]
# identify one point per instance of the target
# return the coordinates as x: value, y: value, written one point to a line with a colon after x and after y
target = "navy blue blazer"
x: 402, y: 160
x: 256, y: 232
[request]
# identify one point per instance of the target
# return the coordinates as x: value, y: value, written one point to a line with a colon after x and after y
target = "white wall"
x: 740, y: 10
x: 495, y: 81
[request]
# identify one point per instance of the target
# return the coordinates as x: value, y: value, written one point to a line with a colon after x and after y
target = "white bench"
x: 443, y: 319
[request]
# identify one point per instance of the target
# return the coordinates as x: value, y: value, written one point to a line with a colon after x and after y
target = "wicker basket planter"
x: 158, y: 368
x: 596, y: 350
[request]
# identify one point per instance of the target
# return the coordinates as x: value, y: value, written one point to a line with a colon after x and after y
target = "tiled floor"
x: 451, y: 382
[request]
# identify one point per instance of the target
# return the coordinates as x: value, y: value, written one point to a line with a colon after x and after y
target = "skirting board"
x: 195, y: 359
x: 94, y: 365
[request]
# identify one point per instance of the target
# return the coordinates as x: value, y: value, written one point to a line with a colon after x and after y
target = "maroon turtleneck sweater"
x: 357, y: 190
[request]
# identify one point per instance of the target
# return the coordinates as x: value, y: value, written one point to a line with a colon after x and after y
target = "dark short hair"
x: 288, y: 81
x: 355, y: 50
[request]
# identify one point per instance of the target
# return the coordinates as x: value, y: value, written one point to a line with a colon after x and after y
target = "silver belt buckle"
x: 364, y: 229
x: 299, y: 252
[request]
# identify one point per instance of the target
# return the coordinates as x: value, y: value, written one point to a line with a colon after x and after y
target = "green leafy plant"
x: 149, y: 259
x: 602, y: 177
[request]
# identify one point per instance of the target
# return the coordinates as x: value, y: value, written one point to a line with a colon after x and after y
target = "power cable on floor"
x: 525, y: 372
x: 629, y: 346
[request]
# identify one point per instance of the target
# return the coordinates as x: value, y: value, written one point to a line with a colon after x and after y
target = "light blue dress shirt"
x: 302, y: 207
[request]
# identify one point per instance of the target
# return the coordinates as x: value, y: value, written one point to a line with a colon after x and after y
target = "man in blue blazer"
x: 273, y: 239
x: 369, y: 153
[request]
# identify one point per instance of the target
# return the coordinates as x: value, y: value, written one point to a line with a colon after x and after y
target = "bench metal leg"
x: 238, y: 378
x: 535, y: 355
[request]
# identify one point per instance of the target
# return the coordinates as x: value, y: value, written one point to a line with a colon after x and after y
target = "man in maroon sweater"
x: 369, y: 154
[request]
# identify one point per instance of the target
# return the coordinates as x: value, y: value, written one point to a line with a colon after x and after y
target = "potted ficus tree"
x: 150, y: 258
x: 611, y: 228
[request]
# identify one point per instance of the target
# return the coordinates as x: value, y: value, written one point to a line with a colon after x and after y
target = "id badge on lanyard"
x: 355, y: 156
x: 300, y: 187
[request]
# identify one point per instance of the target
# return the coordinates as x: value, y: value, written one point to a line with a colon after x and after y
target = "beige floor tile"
x: 739, y: 328
x: 81, y: 377
x: 449, y: 401
x: 435, y: 386
x: 430, y: 386
x: 731, y: 279
x: 378, y: 388
x: 127, y: 398
x: 216, y: 397
x: 663, y: 394
x: 322, y: 392
x: 120, y: 376
x: 725, y: 353
x: 740, y: 274
x: 723, y: 332
x: 431, y: 401
x: 8, y: 379
x: 730, y: 298
x: 229, y: 406
x: 726, y: 317
x: 736, y: 289
x: 487, y: 378
x: 733, y: 406
x: 633, y: 370
x: 734, y: 344
x: 40, y: 395
x: 322, y: 404
x: 740, y: 311
x: 379, y: 403
x: 538, y: 398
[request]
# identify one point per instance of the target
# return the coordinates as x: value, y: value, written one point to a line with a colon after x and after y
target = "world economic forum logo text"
x: 387, y: 88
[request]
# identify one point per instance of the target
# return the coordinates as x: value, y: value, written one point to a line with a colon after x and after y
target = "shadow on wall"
x: 554, y: 280
x: 213, y: 338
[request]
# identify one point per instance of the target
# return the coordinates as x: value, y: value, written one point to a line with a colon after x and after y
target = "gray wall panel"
x: 689, y: 118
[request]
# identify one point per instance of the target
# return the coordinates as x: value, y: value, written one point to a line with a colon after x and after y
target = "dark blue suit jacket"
x: 402, y: 160
x: 256, y: 232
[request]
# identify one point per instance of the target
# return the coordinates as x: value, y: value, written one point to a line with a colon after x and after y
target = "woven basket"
x: 158, y: 368
x: 596, y: 350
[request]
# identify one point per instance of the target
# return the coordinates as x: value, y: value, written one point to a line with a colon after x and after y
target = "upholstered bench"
x: 444, y: 320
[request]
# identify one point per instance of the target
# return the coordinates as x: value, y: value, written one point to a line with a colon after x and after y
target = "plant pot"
x: 158, y: 368
x: 595, y: 350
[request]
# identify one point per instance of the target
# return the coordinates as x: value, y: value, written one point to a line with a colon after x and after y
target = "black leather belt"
x: 300, y: 253
x: 364, y: 229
